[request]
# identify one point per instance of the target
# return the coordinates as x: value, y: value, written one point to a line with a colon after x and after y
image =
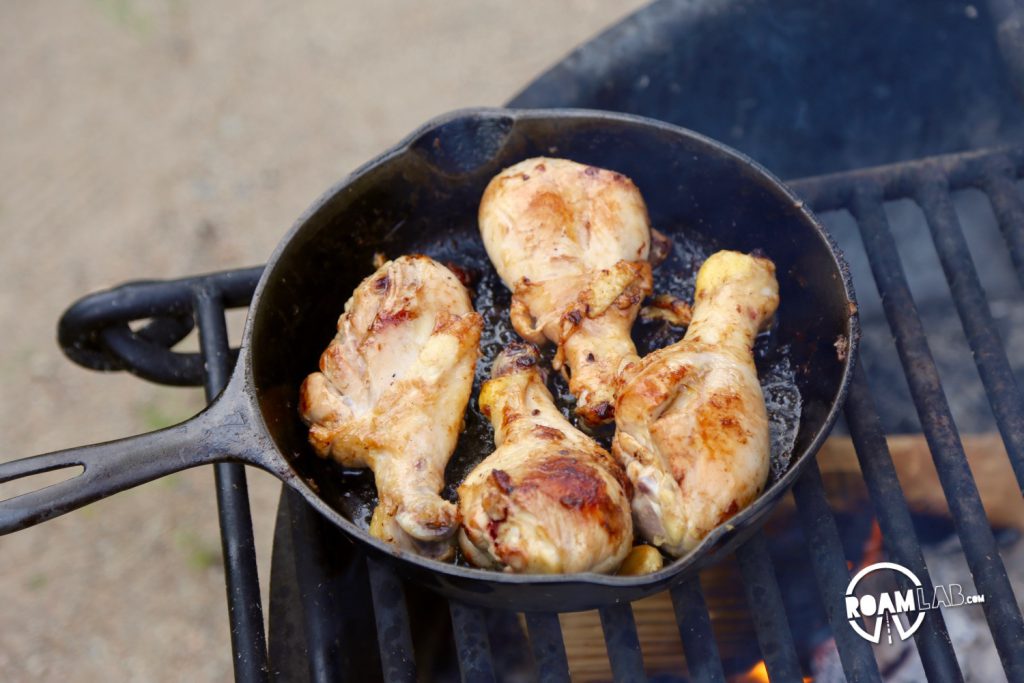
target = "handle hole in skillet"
x: 463, y: 145
x: 38, y: 481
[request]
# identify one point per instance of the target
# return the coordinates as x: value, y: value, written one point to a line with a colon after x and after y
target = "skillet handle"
x: 118, y: 465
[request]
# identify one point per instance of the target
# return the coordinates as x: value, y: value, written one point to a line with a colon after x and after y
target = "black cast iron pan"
x: 422, y: 196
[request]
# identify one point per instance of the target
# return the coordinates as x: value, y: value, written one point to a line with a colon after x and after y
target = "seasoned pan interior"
x: 423, y: 198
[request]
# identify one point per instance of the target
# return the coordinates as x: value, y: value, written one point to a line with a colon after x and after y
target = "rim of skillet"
x: 673, y: 567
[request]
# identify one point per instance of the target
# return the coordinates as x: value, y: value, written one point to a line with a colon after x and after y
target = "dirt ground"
x: 154, y: 139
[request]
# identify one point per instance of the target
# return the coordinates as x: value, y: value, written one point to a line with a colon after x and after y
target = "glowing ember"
x: 759, y: 674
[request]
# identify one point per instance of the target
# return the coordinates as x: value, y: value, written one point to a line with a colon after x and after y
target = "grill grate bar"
x: 94, y: 331
x: 319, y: 626
x: 548, y: 646
x: 965, y: 506
x: 830, y: 570
x: 394, y: 637
x: 1009, y: 211
x: 623, y: 643
x: 469, y: 625
x: 894, y: 519
x: 767, y: 610
x: 979, y: 327
x: 245, y: 610
x: 702, y: 659
x: 835, y: 191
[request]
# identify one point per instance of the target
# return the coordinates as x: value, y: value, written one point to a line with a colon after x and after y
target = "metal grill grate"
x: 95, y: 333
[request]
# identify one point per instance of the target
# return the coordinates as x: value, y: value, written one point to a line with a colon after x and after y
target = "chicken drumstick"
x: 691, y: 426
x: 572, y: 242
x: 549, y: 499
x: 391, y: 393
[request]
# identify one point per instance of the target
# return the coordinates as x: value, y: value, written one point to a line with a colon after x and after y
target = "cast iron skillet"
x: 429, y: 187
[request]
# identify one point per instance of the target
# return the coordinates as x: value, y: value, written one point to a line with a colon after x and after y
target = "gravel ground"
x: 169, y: 137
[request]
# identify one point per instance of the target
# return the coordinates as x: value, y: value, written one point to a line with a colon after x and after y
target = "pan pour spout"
x: 549, y: 500
x: 391, y: 394
x: 691, y: 425
x: 572, y: 242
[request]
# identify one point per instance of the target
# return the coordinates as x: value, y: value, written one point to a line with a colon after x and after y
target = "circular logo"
x: 883, y: 608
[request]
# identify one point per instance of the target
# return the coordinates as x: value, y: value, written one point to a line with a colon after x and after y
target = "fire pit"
x: 771, y: 81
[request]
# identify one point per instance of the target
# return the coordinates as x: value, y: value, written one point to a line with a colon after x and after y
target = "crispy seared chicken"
x: 391, y: 394
x: 572, y: 243
x: 691, y: 426
x: 549, y: 499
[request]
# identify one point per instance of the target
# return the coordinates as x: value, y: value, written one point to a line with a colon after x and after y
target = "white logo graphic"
x: 887, y: 607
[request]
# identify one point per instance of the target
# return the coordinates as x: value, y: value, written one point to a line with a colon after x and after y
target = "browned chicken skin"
x: 391, y: 394
x: 691, y: 426
x: 549, y: 499
x: 572, y: 243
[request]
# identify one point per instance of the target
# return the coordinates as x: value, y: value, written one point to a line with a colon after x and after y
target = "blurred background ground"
x: 154, y: 139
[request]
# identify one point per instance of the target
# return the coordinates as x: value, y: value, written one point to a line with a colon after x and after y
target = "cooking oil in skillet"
x: 491, y: 299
